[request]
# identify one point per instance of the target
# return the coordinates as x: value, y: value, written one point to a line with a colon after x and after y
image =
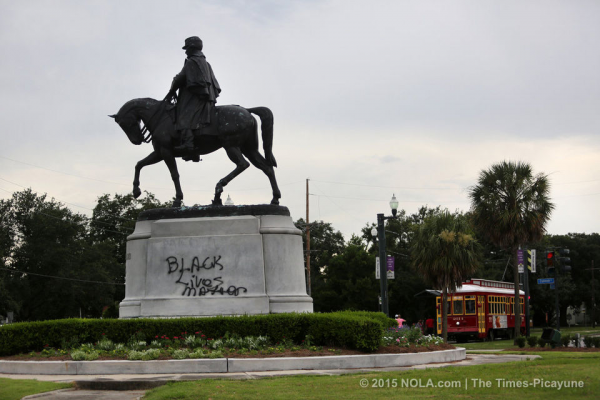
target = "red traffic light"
x: 550, y: 255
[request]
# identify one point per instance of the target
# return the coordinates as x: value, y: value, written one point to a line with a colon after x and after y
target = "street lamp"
x: 379, y: 232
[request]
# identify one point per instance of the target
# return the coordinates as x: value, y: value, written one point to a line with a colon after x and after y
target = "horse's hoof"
x: 217, y: 202
x: 136, y: 192
x: 176, y: 204
x: 275, y: 202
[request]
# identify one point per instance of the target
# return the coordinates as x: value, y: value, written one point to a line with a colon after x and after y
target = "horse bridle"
x: 146, y: 134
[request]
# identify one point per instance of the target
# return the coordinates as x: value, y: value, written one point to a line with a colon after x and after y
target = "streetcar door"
x: 481, y: 315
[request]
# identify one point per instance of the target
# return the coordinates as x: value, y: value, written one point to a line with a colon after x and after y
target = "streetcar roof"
x: 467, y: 288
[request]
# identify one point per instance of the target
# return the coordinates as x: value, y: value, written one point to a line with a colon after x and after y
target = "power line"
x: 84, y: 223
x: 60, y: 277
x: 127, y: 184
x: 380, y: 200
x: 390, y: 187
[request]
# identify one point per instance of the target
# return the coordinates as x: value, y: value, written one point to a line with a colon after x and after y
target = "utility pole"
x: 593, y: 297
x: 526, y: 267
x: 557, y: 306
x: 307, y: 242
x: 593, y: 300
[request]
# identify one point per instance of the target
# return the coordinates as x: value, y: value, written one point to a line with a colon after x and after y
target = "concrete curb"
x: 225, y: 365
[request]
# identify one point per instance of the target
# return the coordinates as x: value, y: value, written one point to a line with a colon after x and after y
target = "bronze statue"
x: 198, y: 92
x: 232, y: 128
x: 204, y: 127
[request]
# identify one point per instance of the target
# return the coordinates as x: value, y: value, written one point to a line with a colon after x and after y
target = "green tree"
x: 349, y: 281
x: 113, y: 219
x: 445, y: 253
x: 511, y: 206
x: 325, y: 243
x: 50, y: 259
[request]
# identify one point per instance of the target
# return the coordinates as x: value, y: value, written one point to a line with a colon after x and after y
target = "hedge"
x: 354, y: 330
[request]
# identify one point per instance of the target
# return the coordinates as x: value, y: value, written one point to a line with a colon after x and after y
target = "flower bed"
x: 197, y: 345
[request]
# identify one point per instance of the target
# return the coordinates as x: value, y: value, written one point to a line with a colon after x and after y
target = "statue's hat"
x: 193, y: 42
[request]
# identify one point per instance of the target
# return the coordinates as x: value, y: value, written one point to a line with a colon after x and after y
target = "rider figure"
x: 198, y: 92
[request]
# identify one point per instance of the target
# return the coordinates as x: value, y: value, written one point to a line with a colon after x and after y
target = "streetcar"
x: 481, y: 309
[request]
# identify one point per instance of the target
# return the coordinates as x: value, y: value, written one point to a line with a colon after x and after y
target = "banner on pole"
x: 390, y: 267
x: 520, y: 261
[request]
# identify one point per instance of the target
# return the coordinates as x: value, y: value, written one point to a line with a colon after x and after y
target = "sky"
x: 370, y: 99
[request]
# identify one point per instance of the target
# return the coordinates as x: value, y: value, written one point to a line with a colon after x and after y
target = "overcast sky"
x: 370, y: 98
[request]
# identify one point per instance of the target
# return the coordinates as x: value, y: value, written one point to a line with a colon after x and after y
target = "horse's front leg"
x: 152, y: 158
x: 172, y: 165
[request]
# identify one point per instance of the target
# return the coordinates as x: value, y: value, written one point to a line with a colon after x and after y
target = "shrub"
x: 199, y: 353
x: 596, y: 341
x: 150, y: 354
x: 588, y: 341
x: 111, y: 311
x: 354, y: 330
x: 181, y: 354
x: 71, y: 343
x: 532, y: 341
x: 565, y: 340
x: 541, y: 342
x: 78, y: 355
x: 105, y: 344
x: 521, y: 341
x: 216, y: 354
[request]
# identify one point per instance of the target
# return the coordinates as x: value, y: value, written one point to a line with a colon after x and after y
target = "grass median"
x: 14, y: 389
x: 542, y: 376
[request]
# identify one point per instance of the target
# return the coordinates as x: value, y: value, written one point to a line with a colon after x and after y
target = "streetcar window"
x: 458, y: 307
x: 448, y: 307
x: 470, y: 305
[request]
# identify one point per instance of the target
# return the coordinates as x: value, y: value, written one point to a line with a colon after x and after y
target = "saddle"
x: 211, y: 129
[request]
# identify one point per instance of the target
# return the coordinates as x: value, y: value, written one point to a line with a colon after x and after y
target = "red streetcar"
x: 481, y: 309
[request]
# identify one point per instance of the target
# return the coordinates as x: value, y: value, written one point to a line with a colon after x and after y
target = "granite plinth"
x: 206, y: 261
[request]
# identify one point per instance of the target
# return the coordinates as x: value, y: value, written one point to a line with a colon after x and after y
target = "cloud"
x: 394, y: 96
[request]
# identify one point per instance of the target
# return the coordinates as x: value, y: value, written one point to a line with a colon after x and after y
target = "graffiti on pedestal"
x: 193, y: 279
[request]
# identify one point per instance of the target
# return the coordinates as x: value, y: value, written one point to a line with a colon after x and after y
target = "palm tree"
x: 445, y: 252
x: 511, y: 207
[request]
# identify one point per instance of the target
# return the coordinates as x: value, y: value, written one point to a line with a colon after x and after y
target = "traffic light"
x: 564, y: 261
x: 550, y: 261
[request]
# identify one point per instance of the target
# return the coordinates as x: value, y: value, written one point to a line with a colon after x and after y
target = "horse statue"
x: 232, y: 128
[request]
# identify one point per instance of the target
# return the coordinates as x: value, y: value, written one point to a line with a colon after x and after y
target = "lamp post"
x: 380, y: 234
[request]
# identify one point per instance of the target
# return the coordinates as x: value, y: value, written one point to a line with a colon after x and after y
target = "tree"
x: 50, y: 260
x: 325, y: 243
x: 349, y: 281
x: 511, y: 207
x: 446, y: 253
x: 113, y: 219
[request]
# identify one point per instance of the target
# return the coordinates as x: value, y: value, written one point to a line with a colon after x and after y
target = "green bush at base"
x: 354, y: 330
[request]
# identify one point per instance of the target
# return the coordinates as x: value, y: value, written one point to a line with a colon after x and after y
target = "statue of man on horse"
x: 231, y: 127
x: 198, y: 92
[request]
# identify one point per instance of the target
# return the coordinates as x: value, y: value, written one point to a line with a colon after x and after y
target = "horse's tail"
x: 266, y: 119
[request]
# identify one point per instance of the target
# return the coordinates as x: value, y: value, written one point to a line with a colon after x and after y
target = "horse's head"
x: 130, y: 122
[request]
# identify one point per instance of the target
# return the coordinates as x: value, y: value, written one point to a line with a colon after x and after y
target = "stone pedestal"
x: 221, y: 260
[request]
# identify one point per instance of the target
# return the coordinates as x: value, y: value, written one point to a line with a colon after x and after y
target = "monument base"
x: 214, y: 260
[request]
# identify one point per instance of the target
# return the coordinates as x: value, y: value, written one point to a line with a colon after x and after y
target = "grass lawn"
x: 508, y: 344
x: 17, y: 388
x: 468, y: 381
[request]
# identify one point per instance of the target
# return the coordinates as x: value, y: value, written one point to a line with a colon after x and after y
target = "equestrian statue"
x: 188, y: 124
